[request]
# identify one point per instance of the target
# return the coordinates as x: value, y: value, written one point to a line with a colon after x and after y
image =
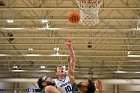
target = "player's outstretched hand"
x: 68, y: 42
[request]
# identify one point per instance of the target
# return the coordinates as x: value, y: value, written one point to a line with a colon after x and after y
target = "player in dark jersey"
x: 86, y: 86
x: 47, y: 85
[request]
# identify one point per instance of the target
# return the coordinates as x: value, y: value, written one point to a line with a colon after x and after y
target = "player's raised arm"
x: 72, y: 53
x: 71, y: 61
x: 71, y: 71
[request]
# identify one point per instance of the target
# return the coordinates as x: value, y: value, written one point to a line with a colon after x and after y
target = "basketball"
x: 74, y: 17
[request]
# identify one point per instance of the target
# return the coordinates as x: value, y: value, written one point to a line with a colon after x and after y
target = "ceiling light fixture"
x: 57, y: 49
x: 55, y: 55
x: 17, y: 70
x: 31, y: 70
x: 10, y: 21
x: 44, y: 21
x: 15, y: 66
x: 129, y: 52
x: 120, y: 71
x: 47, y: 28
x: 12, y: 28
x: 4, y: 55
x: 30, y: 49
x: 32, y: 55
x: 125, y: 72
x: 133, y: 55
x: 42, y: 66
x: 136, y: 72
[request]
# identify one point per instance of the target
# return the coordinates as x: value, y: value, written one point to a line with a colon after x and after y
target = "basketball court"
x: 105, y: 35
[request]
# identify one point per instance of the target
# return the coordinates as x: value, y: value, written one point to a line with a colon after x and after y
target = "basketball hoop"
x: 89, y: 11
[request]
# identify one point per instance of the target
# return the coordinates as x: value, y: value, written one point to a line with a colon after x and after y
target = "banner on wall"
x: 30, y: 90
x: 2, y: 91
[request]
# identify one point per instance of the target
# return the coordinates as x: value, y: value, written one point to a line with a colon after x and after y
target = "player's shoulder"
x: 54, y: 79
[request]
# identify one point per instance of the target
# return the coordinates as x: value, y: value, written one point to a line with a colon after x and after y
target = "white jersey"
x: 64, y: 85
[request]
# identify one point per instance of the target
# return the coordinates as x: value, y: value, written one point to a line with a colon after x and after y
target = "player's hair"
x: 57, y: 67
x: 39, y: 82
x: 91, y: 86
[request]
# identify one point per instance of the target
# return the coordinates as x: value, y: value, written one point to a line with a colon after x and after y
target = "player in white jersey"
x: 63, y: 82
x: 63, y: 85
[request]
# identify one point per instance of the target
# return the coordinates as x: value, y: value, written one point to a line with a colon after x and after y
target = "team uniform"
x: 74, y: 88
x: 43, y: 91
x: 64, y: 85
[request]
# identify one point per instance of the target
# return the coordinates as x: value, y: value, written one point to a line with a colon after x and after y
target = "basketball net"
x: 89, y: 11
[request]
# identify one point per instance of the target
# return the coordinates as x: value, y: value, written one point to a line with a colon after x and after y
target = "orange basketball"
x: 74, y: 17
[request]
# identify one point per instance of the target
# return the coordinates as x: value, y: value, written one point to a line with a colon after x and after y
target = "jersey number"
x: 68, y: 89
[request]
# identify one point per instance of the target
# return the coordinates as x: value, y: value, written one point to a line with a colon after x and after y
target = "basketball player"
x: 63, y: 82
x: 46, y: 85
x: 87, y: 86
x: 83, y: 87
